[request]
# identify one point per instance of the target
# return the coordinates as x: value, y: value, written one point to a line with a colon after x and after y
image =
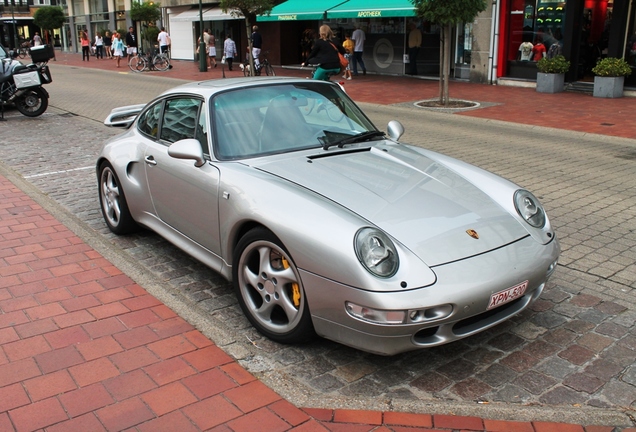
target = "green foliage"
x: 147, y: 11
x: 49, y: 17
x: 612, y: 67
x: 554, y: 65
x: 150, y: 34
x: 449, y: 11
x: 247, y: 8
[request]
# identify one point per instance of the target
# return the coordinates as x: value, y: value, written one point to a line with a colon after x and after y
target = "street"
x: 571, y: 357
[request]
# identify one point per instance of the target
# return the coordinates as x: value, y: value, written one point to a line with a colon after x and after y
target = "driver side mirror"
x: 188, y: 148
x: 395, y: 129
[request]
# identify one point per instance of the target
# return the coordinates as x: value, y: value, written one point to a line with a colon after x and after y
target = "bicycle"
x: 149, y: 61
x: 23, y: 49
x: 264, y: 65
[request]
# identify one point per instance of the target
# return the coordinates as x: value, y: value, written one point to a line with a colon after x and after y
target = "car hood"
x: 417, y: 200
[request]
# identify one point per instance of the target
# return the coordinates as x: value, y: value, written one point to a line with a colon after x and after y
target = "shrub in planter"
x: 551, y: 78
x: 610, y: 77
x: 612, y: 67
x: 555, y: 65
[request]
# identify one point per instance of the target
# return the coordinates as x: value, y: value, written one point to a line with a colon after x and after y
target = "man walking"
x: 358, y: 38
x: 229, y: 50
x: 164, y: 40
x: 131, y: 42
x: 415, y: 42
x: 257, y: 43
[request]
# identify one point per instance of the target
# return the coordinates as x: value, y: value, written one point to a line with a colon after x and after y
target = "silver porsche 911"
x: 325, y: 224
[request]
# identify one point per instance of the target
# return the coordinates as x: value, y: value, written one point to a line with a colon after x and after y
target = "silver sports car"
x: 325, y: 224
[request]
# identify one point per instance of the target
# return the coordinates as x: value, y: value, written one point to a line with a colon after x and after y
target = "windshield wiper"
x: 361, y: 137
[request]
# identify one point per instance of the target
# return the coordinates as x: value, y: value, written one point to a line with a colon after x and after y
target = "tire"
x: 137, y: 63
x: 161, y: 62
x: 112, y: 202
x: 22, y: 53
x: 33, y: 102
x: 269, y: 289
x: 269, y: 70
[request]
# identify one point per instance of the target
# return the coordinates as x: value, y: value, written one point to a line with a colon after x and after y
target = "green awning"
x: 372, y: 9
x: 296, y: 10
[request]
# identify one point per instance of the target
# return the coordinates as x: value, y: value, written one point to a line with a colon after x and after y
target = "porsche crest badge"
x: 472, y: 233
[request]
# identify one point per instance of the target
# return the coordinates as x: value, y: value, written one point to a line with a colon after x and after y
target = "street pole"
x: 16, y: 44
x: 203, y: 61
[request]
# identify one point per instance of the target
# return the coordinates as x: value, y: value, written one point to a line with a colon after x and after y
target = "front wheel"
x: 33, y: 102
x: 137, y: 63
x: 269, y: 289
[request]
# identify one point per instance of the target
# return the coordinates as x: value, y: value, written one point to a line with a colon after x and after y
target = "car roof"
x: 210, y: 87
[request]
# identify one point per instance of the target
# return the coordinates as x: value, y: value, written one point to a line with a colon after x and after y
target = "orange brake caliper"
x: 295, y: 287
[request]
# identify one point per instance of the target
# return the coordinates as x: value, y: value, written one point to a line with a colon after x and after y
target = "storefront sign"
x: 370, y: 14
x: 287, y: 17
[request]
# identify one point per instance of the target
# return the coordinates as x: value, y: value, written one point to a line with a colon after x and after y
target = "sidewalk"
x: 84, y: 348
x: 567, y: 110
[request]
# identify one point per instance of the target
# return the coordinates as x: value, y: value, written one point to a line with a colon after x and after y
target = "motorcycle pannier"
x: 27, y: 79
x: 41, y: 53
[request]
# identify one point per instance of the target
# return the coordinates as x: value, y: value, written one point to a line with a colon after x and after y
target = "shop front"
x: 584, y: 31
x: 384, y: 22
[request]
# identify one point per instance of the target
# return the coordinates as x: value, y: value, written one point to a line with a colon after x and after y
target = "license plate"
x: 507, y: 295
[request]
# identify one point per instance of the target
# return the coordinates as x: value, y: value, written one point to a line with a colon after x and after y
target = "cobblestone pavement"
x: 571, y: 357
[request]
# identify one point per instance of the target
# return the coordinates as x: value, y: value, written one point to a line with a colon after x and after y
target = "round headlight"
x: 376, y: 252
x: 529, y: 208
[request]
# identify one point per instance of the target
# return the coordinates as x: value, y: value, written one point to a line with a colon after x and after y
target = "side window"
x: 148, y: 123
x: 180, y: 119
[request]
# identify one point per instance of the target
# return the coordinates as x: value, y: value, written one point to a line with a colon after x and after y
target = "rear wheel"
x: 269, y: 289
x: 33, y: 102
x: 161, y: 62
x: 113, y: 202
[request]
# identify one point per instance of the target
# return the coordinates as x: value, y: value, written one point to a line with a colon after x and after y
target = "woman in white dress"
x: 118, y: 47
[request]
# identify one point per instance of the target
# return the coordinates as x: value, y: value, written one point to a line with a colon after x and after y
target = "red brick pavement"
x: 84, y: 348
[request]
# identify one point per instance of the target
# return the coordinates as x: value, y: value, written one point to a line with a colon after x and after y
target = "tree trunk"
x: 441, y: 68
x: 447, y: 60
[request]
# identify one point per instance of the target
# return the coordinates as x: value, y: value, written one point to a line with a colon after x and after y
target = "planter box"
x: 550, y: 82
x: 608, y: 87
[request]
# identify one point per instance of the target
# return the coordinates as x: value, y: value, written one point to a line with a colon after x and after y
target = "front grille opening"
x: 424, y: 336
x: 484, y: 319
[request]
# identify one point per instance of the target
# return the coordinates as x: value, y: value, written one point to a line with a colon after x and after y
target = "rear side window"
x: 148, y: 123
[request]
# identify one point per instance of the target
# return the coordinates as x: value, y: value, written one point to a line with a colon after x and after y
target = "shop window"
x: 535, y: 26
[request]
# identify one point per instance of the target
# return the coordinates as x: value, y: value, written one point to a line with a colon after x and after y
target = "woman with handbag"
x: 326, y: 53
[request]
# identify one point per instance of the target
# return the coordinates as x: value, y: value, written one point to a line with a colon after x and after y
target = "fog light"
x: 376, y: 316
x: 430, y: 314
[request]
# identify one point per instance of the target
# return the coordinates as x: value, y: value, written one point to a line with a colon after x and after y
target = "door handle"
x: 150, y: 160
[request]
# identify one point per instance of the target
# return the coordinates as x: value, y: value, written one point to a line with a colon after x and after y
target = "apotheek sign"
x: 287, y: 17
x: 370, y: 14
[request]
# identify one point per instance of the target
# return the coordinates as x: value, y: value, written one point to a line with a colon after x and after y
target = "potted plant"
x: 610, y: 76
x: 551, y: 75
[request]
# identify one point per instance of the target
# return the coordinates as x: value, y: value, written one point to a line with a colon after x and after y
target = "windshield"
x: 256, y: 121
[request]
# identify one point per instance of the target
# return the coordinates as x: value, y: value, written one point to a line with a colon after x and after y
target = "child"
x: 348, y: 46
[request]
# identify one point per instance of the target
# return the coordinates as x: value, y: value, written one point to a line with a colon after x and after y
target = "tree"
x: 148, y: 13
x: 49, y: 18
x: 447, y: 13
x: 248, y: 9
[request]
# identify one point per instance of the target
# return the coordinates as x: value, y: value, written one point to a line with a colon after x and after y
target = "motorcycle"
x: 21, y: 85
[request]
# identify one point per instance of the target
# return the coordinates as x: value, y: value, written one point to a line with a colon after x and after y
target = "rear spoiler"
x: 123, y: 117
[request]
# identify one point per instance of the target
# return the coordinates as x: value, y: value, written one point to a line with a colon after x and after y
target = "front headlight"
x: 376, y: 252
x: 529, y: 208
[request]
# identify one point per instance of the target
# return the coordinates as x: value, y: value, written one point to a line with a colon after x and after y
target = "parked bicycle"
x: 149, y: 61
x: 23, y: 49
x: 264, y: 65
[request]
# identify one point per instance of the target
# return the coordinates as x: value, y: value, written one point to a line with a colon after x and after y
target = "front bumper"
x: 466, y: 285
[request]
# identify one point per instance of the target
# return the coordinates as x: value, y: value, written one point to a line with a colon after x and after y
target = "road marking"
x: 58, y: 172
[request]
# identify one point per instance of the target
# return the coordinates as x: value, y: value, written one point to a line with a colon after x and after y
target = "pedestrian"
x: 164, y: 40
x: 108, y: 43
x: 415, y: 42
x: 211, y: 47
x: 131, y: 42
x: 37, y: 40
x: 118, y: 47
x: 348, y: 46
x: 325, y: 54
x: 99, y: 46
x: 229, y: 50
x: 86, y: 46
x: 257, y: 44
x: 358, y: 37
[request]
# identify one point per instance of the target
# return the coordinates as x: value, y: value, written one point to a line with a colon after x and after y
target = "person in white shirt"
x: 164, y: 40
x: 358, y: 37
x: 229, y: 51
